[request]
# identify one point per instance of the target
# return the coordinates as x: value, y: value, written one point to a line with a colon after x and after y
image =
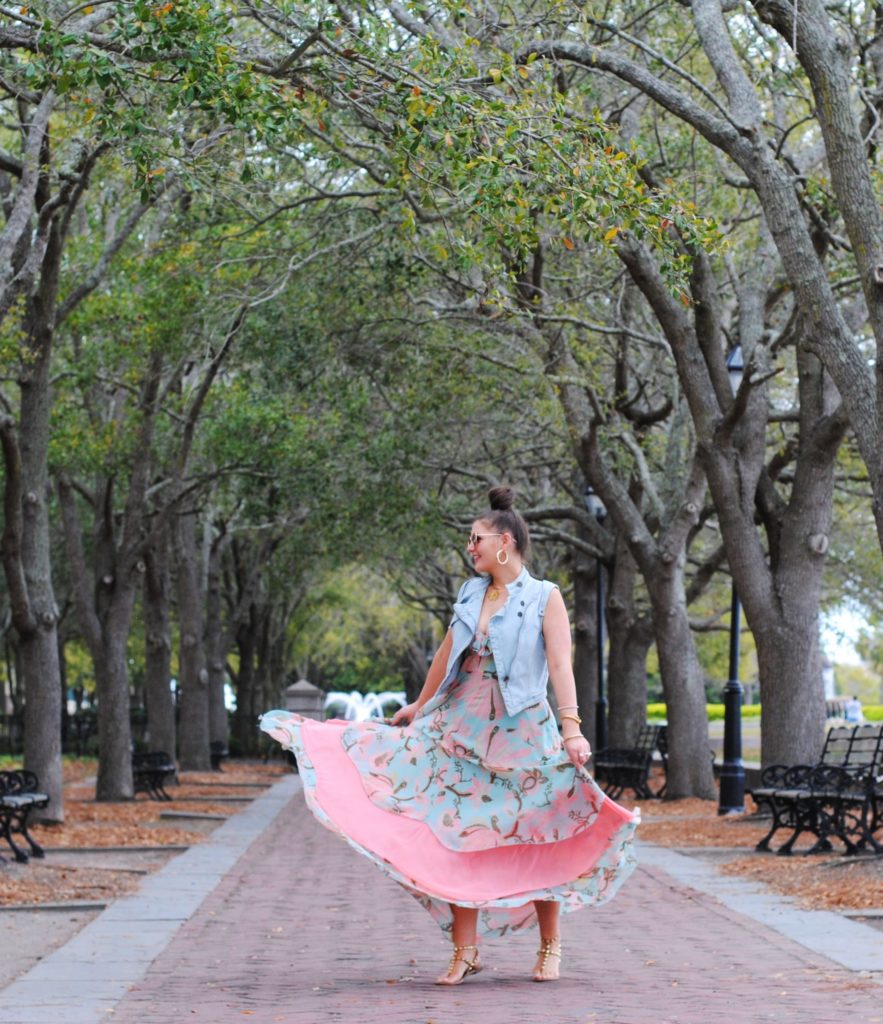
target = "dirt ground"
x: 68, y: 875
x: 821, y: 881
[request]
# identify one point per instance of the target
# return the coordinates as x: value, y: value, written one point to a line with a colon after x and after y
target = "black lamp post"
x: 596, y: 507
x: 732, y: 776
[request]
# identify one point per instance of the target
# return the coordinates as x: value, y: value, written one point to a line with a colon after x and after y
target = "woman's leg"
x: 465, y: 938
x: 549, y: 953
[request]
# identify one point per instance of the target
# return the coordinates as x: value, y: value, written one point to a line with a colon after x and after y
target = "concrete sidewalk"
x: 278, y: 920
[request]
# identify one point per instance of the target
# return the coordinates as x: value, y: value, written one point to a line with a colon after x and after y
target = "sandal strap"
x: 456, y: 958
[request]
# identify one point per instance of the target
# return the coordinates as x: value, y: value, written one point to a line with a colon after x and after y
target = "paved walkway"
x: 300, y: 930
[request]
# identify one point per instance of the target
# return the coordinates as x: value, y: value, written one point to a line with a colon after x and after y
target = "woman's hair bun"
x: 501, y: 498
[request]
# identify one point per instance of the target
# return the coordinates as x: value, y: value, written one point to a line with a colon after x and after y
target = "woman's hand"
x: 405, y: 715
x: 578, y: 749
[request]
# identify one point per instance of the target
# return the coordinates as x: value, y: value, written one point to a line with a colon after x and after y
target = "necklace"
x: 494, y: 591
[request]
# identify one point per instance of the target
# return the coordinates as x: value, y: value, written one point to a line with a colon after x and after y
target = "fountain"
x: 359, y: 707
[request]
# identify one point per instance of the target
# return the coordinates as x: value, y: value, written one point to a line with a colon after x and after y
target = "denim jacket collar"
x: 519, y: 580
x: 469, y: 610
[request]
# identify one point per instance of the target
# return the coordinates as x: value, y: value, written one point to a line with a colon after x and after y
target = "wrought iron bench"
x: 151, y: 771
x: 19, y: 795
x: 622, y: 768
x: 840, y: 796
x: 218, y: 752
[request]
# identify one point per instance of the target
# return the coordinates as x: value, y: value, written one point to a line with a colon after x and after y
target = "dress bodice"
x: 481, y: 645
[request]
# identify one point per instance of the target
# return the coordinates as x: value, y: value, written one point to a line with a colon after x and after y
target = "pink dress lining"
x: 430, y: 867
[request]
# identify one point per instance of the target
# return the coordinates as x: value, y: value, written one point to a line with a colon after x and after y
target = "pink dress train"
x: 466, y: 805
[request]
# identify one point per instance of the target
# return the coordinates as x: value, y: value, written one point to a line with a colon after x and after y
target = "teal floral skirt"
x: 467, y: 804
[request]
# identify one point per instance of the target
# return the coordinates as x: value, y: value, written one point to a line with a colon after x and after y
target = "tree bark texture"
x: 193, y: 728
x: 216, y: 644
x: 631, y: 634
x: 161, y: 727
x: 105, y: 596
x: 683, y: 684
x: 30, y: 579
x: 114, y: 728
x: 585, y: 639
x: 246, y: 642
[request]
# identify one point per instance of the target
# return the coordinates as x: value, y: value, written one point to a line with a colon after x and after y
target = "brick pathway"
x: 304, y: 931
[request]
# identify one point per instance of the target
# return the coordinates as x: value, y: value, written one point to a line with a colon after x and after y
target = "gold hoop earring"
x: 503, y: 561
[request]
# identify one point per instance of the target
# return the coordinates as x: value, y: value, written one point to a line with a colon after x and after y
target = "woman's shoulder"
x: 543, y: 590
x: 545, y: 587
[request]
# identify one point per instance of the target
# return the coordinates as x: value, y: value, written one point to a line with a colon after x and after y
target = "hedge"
x: 658, y: 713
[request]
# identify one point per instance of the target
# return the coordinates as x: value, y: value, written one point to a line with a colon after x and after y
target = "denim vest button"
x: 520, y: 614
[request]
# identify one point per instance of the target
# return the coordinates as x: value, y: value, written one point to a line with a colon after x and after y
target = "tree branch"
x: 20, y: 217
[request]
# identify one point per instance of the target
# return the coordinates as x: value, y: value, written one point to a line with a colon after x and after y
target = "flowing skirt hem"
x: 501, y: 882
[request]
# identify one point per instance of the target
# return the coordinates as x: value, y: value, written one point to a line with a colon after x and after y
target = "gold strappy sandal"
x: 472, y: 966
x: 544, y: 952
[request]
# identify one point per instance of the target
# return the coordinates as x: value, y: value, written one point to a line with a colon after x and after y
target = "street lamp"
x: 732, y: 776
x: 596, y: 507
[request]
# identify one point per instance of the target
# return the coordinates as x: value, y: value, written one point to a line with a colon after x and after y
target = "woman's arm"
x: 434, y: 678
x: 556, y: 634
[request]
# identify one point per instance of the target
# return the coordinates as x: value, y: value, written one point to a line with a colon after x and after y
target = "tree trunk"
x: 114, y: 728
x: 193, y: 728
x: 216, y: 646
x: 585, y: 640
x: 631, y: 635
x: 690, y: 771
x: 791, y: 693
x: 246, y: 641
x: 158, y: 649
x: 39, y: 645
x: 263, y: 680
x: 104, y: 596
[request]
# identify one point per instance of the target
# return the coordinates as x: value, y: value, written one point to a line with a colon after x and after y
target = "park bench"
x: 218, y: 752
x: 840, y: 796
x: 622, y: 768
x: 151, y: 771
x: 19, y: 795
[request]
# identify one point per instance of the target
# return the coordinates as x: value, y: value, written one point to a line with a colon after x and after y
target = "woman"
x: 471, y: 798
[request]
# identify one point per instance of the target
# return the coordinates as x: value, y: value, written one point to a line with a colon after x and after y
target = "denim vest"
x: 515, y: 634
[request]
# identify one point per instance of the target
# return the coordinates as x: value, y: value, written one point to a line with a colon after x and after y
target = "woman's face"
x: 484, y: 543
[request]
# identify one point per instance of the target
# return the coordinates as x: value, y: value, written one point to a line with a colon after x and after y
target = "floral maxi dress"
x: 467, y: 804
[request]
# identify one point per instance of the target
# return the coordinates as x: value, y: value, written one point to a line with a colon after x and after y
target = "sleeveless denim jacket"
x: 515, y: 634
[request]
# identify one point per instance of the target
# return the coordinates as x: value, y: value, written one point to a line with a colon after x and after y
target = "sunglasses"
x: 474, y: 538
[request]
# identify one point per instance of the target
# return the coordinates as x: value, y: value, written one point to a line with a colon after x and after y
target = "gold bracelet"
x: 568, y: 707
x: 572, y: 718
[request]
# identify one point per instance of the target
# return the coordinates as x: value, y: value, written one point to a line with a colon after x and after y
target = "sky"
x: 840, y: 630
